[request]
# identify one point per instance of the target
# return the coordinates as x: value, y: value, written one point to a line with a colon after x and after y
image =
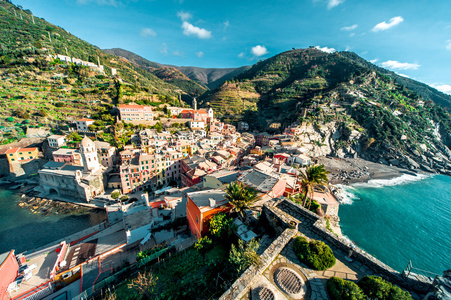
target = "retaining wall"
x: 242, y: 285
x: 415, y: 282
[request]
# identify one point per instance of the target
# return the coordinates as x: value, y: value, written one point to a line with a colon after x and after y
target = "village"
x: 160, y: 194
x: 159, y: 179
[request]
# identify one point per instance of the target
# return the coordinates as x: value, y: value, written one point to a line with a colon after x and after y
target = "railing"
x: 410, y: 267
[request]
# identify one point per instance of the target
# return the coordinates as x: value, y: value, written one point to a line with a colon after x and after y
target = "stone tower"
x: 195, y: 103
x: 89, y: 155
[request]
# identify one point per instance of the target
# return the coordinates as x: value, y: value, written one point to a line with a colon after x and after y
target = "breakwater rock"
x: 49, y: 207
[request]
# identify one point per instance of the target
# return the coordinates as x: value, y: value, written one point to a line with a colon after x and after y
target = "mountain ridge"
x: 208, y: 77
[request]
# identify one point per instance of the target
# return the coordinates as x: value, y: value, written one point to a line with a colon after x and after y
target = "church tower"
x: 89, y: 155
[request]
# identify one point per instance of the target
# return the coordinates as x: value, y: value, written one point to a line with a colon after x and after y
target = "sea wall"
x: 415, y: 282
x: 241, y: 286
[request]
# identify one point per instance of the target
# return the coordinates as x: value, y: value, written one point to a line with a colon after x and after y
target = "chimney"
x: 145, y: 199
x: 212, y: 202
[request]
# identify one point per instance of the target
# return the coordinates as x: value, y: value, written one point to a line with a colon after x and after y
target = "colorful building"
x: 135, y: 112
x: 82, y: 124
x: 202, y: 206
x: 9, y: 269
x: 21, y: 154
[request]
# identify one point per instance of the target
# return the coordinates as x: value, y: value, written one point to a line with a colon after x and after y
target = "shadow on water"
x: 33, y: 235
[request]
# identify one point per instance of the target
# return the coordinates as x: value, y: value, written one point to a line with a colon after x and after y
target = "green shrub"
x: 115, y: 195
x: 340, y: 289
x: 377, y: 288
x: 315, y: 254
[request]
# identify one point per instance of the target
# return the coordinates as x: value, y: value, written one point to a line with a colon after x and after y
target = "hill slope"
x: 38, y: 88
x: 350, y: 108
x: 207, y: 77
x: 166, y: 73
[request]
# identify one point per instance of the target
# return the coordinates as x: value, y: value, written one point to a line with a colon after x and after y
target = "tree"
x: 144, y: 284
x: 74, y: 136
x: 203, y: 245
x: 221, y: 226
x: 244, y: 255
x: 340, y: 289
x: 240, y: 196
x: 92, y: 127
x: 312, y: 177
x: 115, y: 195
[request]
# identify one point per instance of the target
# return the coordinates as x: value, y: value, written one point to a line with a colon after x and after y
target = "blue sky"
x: 412, y: 38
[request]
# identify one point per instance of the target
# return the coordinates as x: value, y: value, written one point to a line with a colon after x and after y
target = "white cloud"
x: 445, y: 88
x: 351, y: 34
x: 373, y: 61
x: 145, y: 32
x: 178, y: 53
x: 164, y: 49
x: 200, y: 54
x: 326, y: 49
x: 384, y: 25
x: 259, y: 50
x: 332, y: 3
x: 190, y: 29
x: 241, y: 55
x: 349, y: 28
x: 393, y: 64
x: 226, y: 25
x: 184, y: 16
x: 448, y: 46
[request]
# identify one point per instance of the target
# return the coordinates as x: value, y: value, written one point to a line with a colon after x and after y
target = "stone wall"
x: 242, y: 285
x: 278, y: 219
x: 414, y: 282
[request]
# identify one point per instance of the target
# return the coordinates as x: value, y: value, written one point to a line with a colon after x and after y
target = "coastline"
x: 347, y: 172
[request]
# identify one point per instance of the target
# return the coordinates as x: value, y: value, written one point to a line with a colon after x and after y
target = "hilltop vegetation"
x: 38, y: 90
x: 369, y: 111
x: 166, y: 73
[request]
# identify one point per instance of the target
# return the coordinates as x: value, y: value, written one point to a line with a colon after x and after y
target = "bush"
x: 124, y: 198
x: 115, y: 195
x: 316, y: 254
x: 203, y: 245
x: 377, y: 288
x: 340, y: 289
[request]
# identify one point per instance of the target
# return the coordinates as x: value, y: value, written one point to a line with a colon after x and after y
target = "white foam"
x: 403, y: 179
x: 346, y: 196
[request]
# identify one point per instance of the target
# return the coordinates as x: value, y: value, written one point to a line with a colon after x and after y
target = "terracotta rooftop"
x: 14, y: 150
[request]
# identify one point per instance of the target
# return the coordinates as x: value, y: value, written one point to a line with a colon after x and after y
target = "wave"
x: 347, y: 195
x: 403, y: 179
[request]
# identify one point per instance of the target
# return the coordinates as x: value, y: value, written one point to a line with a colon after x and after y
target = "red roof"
x: 85, y: 119
x: 186, y: 111
x: 14, y: 150
x: 130, y: 106
x: 201, y: 112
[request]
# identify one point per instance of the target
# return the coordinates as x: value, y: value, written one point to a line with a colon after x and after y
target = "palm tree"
x: 240, y: 196
x: 312, y: 177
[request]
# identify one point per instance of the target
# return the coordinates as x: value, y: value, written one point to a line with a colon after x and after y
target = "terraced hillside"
x: 39, y: 89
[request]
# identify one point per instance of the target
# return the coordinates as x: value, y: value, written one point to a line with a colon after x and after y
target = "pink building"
x: 69, y: 156
x: 135, y: 112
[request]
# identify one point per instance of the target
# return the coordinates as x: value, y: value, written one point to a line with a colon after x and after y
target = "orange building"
x: 9, y: 269
x: 202, y: 206
x: 21, y: 154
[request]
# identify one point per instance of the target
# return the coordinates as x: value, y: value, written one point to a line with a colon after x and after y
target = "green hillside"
x: 37, y: 89
x: 188, y: 88
x: 311, y: 86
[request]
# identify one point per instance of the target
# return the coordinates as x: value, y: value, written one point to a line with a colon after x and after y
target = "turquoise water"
x: 22, y: 230
x: 407, y: 221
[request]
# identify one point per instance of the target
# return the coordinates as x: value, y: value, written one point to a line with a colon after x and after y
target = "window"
x: 197, y: 219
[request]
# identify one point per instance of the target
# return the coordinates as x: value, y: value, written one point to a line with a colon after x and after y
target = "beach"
x: 347, y: 171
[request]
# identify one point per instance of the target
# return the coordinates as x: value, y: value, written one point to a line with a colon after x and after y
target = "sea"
x: 22, y: 230
x: 400, y: 220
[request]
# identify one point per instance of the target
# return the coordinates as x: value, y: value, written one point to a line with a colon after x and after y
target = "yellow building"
x: 21, y: 154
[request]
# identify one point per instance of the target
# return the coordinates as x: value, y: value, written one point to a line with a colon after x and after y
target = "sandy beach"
x: 353, y: 170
